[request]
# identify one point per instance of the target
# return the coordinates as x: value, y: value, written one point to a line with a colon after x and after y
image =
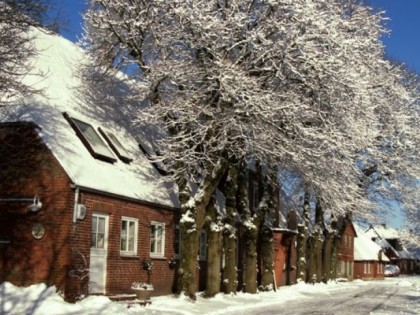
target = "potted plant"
x: 143, y: 290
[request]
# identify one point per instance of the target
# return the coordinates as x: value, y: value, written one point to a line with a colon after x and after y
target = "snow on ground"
x: 40, y: 300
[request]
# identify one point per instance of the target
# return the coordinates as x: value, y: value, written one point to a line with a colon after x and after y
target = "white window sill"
x: 129, y: 255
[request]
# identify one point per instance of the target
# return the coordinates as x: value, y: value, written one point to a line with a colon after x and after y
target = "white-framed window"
x: 202, y: 249
x: 157, y: 239
x: 366, y: 268
x: 128, y: 242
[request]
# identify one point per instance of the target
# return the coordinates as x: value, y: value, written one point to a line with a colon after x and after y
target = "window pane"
x: 93, y: 138
x: 100, y: 241
x: 123, y: 235
x: 156, y: 239
x: 93, y: 238
x: 131, y: 236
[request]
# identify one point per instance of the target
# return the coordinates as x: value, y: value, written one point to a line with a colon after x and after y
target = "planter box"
x: 143, y: 295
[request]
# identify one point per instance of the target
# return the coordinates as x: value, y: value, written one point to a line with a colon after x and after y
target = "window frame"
x: 152, y: 157
x: 157, y: 254
x: 115, y: 145
x: 81, y: 135
x: 136, y: 228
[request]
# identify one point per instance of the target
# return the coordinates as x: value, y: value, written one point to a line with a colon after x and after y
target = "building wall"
x: 345, y: 264
x: 27, y: 168
x: 123, y: 270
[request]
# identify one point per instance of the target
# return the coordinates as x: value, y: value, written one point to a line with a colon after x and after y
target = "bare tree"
x: 16, y: 19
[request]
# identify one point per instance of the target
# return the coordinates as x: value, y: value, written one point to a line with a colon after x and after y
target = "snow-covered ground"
x: 40, y: 300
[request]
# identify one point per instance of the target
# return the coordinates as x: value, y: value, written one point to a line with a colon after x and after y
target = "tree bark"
x: 266, y: 233
x: 326, y: 257
x: 267, y: 279
x: 230, y: 274
x: 214, y: 248
x: 335, y: 243
x: 251, y: 226
x: 302, y: 240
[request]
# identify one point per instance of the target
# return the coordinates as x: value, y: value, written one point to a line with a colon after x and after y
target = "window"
x: 98, y: 232
x: 128, y: 244
x: 115, y: 145
x: 153, y: 157
x: 202, y: 250
x: 366, y: 268
x: 157, y: 239
x: 91, y: 139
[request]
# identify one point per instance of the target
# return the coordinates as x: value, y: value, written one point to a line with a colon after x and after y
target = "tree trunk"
x: 214, y: 247
x: 251, y: 226
x: 193, y: 217
x: 326, y: 257
x: 267, y: 279
x: 335, y: 243
x: 318, y: 240
x: 267, y: 208
x: 302, y: 239
x: 230, y: 274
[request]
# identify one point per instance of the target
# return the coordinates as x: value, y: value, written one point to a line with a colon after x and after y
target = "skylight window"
x: 153, y: 157
x: 115, y: 145
x: 91, y: 139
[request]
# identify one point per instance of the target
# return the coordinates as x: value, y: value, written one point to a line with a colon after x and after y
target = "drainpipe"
x: 76, y: 200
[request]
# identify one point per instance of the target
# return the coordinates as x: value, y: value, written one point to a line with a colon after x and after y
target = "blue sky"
x: 403, y: 44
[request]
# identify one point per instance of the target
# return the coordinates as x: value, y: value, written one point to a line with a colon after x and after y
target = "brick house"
x: 369, y: 258
x: 389, y: 240
x: 81, y: 206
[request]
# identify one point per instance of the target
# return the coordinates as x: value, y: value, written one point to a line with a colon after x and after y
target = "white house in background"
x: 369, y: 257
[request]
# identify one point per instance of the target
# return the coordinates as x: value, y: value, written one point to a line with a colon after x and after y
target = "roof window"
x: 115, y: 145
x: 153, y: 158
x: 91, y: 139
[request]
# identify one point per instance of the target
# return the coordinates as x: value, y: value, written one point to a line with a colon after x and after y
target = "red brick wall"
x: 346, y: 251
x: 123, y: 270
x: 359, y: 270
x: 27, y: 168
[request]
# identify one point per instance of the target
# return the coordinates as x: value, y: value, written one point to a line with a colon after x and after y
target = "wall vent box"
x: 81, y: 211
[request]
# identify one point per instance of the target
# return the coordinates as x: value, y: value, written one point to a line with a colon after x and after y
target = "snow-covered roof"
x: 365, y: 249
x: 383, y: 232
x: 383, y: 236
x: 56, y: 70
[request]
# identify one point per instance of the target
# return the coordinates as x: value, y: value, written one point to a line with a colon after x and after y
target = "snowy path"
x: 375, y: 298
x: 389, y: 297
